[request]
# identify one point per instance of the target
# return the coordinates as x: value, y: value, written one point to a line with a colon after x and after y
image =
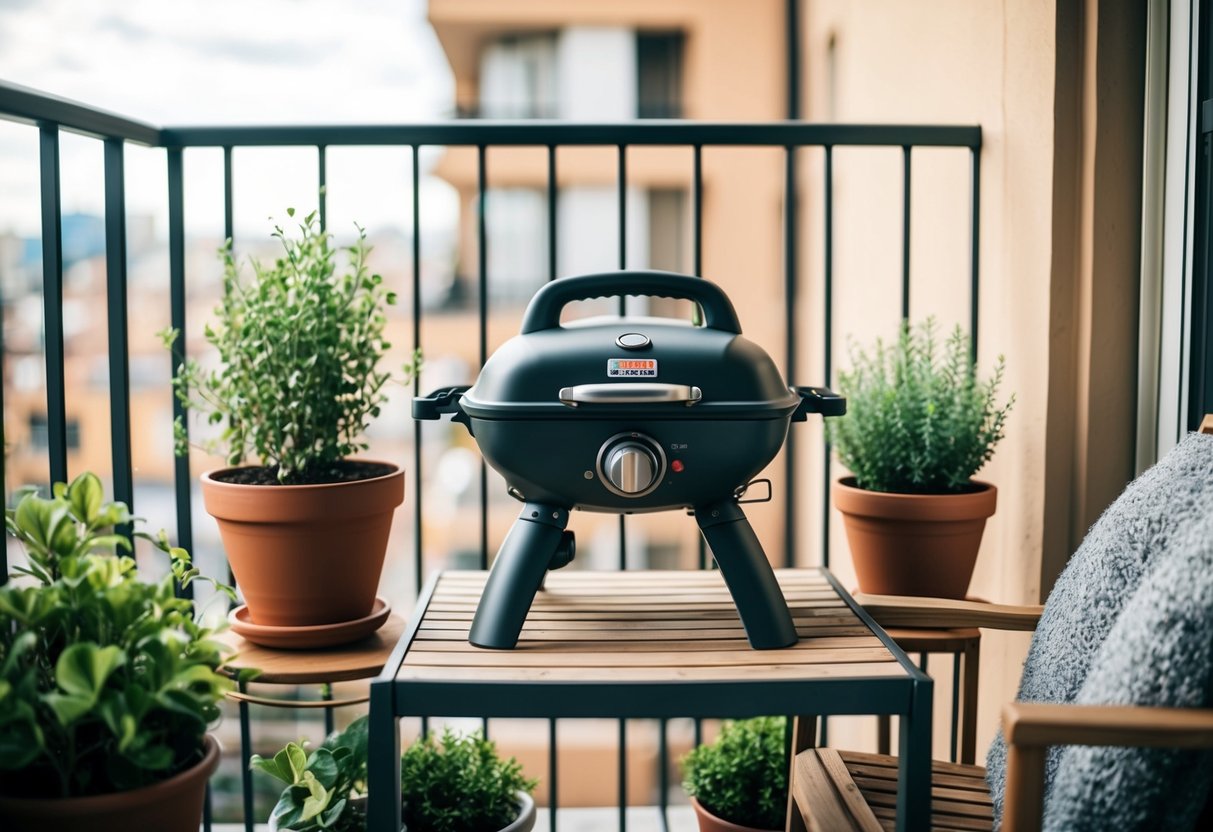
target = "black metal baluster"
x: 116, y: 323
x: 975, y: 254
x: 246, y: 752
x: 955, y: 704
x: 622, y: 184
x: 697, y: 259
x: 827, y: 334
x: 326, y: 693
x: 663, y: 774
x: 52, y: 301
x: 176, y: 260
x: 553, y: 746
x: 697, y: 268
x: 229, y: 233
x: 483, y: 299
x: 789, y: 300
x: 905, y: 233
x: 418, y: 563
x: 322, y: 176
x: 553, y: 194
x: 482, y: 296
x: 228, y: 208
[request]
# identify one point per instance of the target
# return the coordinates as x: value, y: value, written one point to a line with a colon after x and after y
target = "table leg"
x: 383, y: 762
x: 914, y: 768
x: 968, y: 733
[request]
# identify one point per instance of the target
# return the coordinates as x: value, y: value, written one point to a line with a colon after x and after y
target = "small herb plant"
x: 918, y: 419
x: 106, y: 683
x: 299, y: 346
x: 459, y: 784
x: 448, y: 784
x: 742, y: 777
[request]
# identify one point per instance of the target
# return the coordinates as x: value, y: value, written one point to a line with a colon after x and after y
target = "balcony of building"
x: 838, y: 169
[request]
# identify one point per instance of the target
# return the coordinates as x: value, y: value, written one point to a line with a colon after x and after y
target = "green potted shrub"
x: 306, y: 525
x: 919, y: 425
x: 739, y: 783
x: 448, y: 784
x: 107, y: 683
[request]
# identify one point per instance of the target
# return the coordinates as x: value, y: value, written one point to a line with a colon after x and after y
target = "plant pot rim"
x: 848, y: 482
x: 526, y: 814
x: 727, y: 825
x: 892, y: 505
x: 96, y: 803
x: 209, y: 478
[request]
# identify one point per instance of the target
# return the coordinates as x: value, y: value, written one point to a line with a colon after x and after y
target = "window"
x: 40, y: 435
x: 518, y: 77
x: 659, y: 74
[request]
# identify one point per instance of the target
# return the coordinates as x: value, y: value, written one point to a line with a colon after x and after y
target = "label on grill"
x: 632, y: 367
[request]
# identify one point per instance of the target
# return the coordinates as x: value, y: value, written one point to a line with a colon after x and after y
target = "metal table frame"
x: 909, y: 697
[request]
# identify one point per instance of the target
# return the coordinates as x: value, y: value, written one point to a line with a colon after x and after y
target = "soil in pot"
x: 914, y: 544
x: 306, y: 554
x: 174, y: 805
x: 710, y: 823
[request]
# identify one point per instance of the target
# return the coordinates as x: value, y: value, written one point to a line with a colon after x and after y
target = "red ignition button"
x: 676, y: 466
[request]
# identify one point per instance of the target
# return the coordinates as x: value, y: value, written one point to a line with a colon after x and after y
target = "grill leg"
x: 526, y: 554
x: 747, y: 572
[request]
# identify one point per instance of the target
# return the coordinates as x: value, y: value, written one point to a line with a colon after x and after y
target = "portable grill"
x: 629, y: 415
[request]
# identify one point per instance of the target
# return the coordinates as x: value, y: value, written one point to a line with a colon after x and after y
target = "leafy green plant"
x: 106, y: 683
x: 459, y: 784
x: 448, y: 784
x: 742, y: 777
x: 918, y: 419
x: 320, y: 786
x: 298, y: 380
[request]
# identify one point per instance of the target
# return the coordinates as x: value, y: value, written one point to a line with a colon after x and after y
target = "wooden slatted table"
x: 649, y: 645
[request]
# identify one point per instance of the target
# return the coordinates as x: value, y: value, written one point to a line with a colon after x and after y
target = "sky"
x: 223, y: 62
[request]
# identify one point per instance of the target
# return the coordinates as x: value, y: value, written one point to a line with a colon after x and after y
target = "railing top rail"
x: 543, y: 132
x: 18, y: 103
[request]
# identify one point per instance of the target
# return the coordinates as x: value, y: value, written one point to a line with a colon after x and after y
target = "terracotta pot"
x: 174, y: 805
x: 710, y: 823
x: 914, y: 544
x: 305, y: 554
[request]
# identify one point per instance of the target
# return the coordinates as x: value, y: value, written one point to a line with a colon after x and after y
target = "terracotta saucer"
x: 310, y: 636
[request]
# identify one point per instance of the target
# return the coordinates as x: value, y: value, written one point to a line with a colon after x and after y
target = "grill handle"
x: 630, y: 393
x: 543, y: 312
x: 821, y: 400
x: 442, y: 402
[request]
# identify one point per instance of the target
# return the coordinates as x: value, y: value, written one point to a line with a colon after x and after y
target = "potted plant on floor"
x: 298, y: 381
x: 107, y: 684
x: 919, y: 425
x: 448, y: 784
x: 739, y: 783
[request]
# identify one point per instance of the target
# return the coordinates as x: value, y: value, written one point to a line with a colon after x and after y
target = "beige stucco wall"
x: 945, y: 62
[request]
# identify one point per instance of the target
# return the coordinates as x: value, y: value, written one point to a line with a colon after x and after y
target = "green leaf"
x: 318, y: 797
x: 86, y: 495
x: 83, y: 669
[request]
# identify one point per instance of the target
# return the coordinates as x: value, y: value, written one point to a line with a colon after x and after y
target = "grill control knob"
x: 631, y: 467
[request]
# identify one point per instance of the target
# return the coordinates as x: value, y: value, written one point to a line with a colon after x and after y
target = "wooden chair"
x: 840, y: 790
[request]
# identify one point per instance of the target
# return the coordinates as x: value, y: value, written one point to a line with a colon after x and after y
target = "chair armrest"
x: 947, y: 613
x: 1031, y: 727
x: 1040, y: 724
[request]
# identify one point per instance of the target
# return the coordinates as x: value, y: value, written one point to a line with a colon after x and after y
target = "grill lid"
x: 612, y: 367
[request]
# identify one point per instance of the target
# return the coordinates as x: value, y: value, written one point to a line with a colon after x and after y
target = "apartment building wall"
x: 1057, y: 91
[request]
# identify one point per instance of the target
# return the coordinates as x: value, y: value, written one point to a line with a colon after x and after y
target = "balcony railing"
x: 50, y: 116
